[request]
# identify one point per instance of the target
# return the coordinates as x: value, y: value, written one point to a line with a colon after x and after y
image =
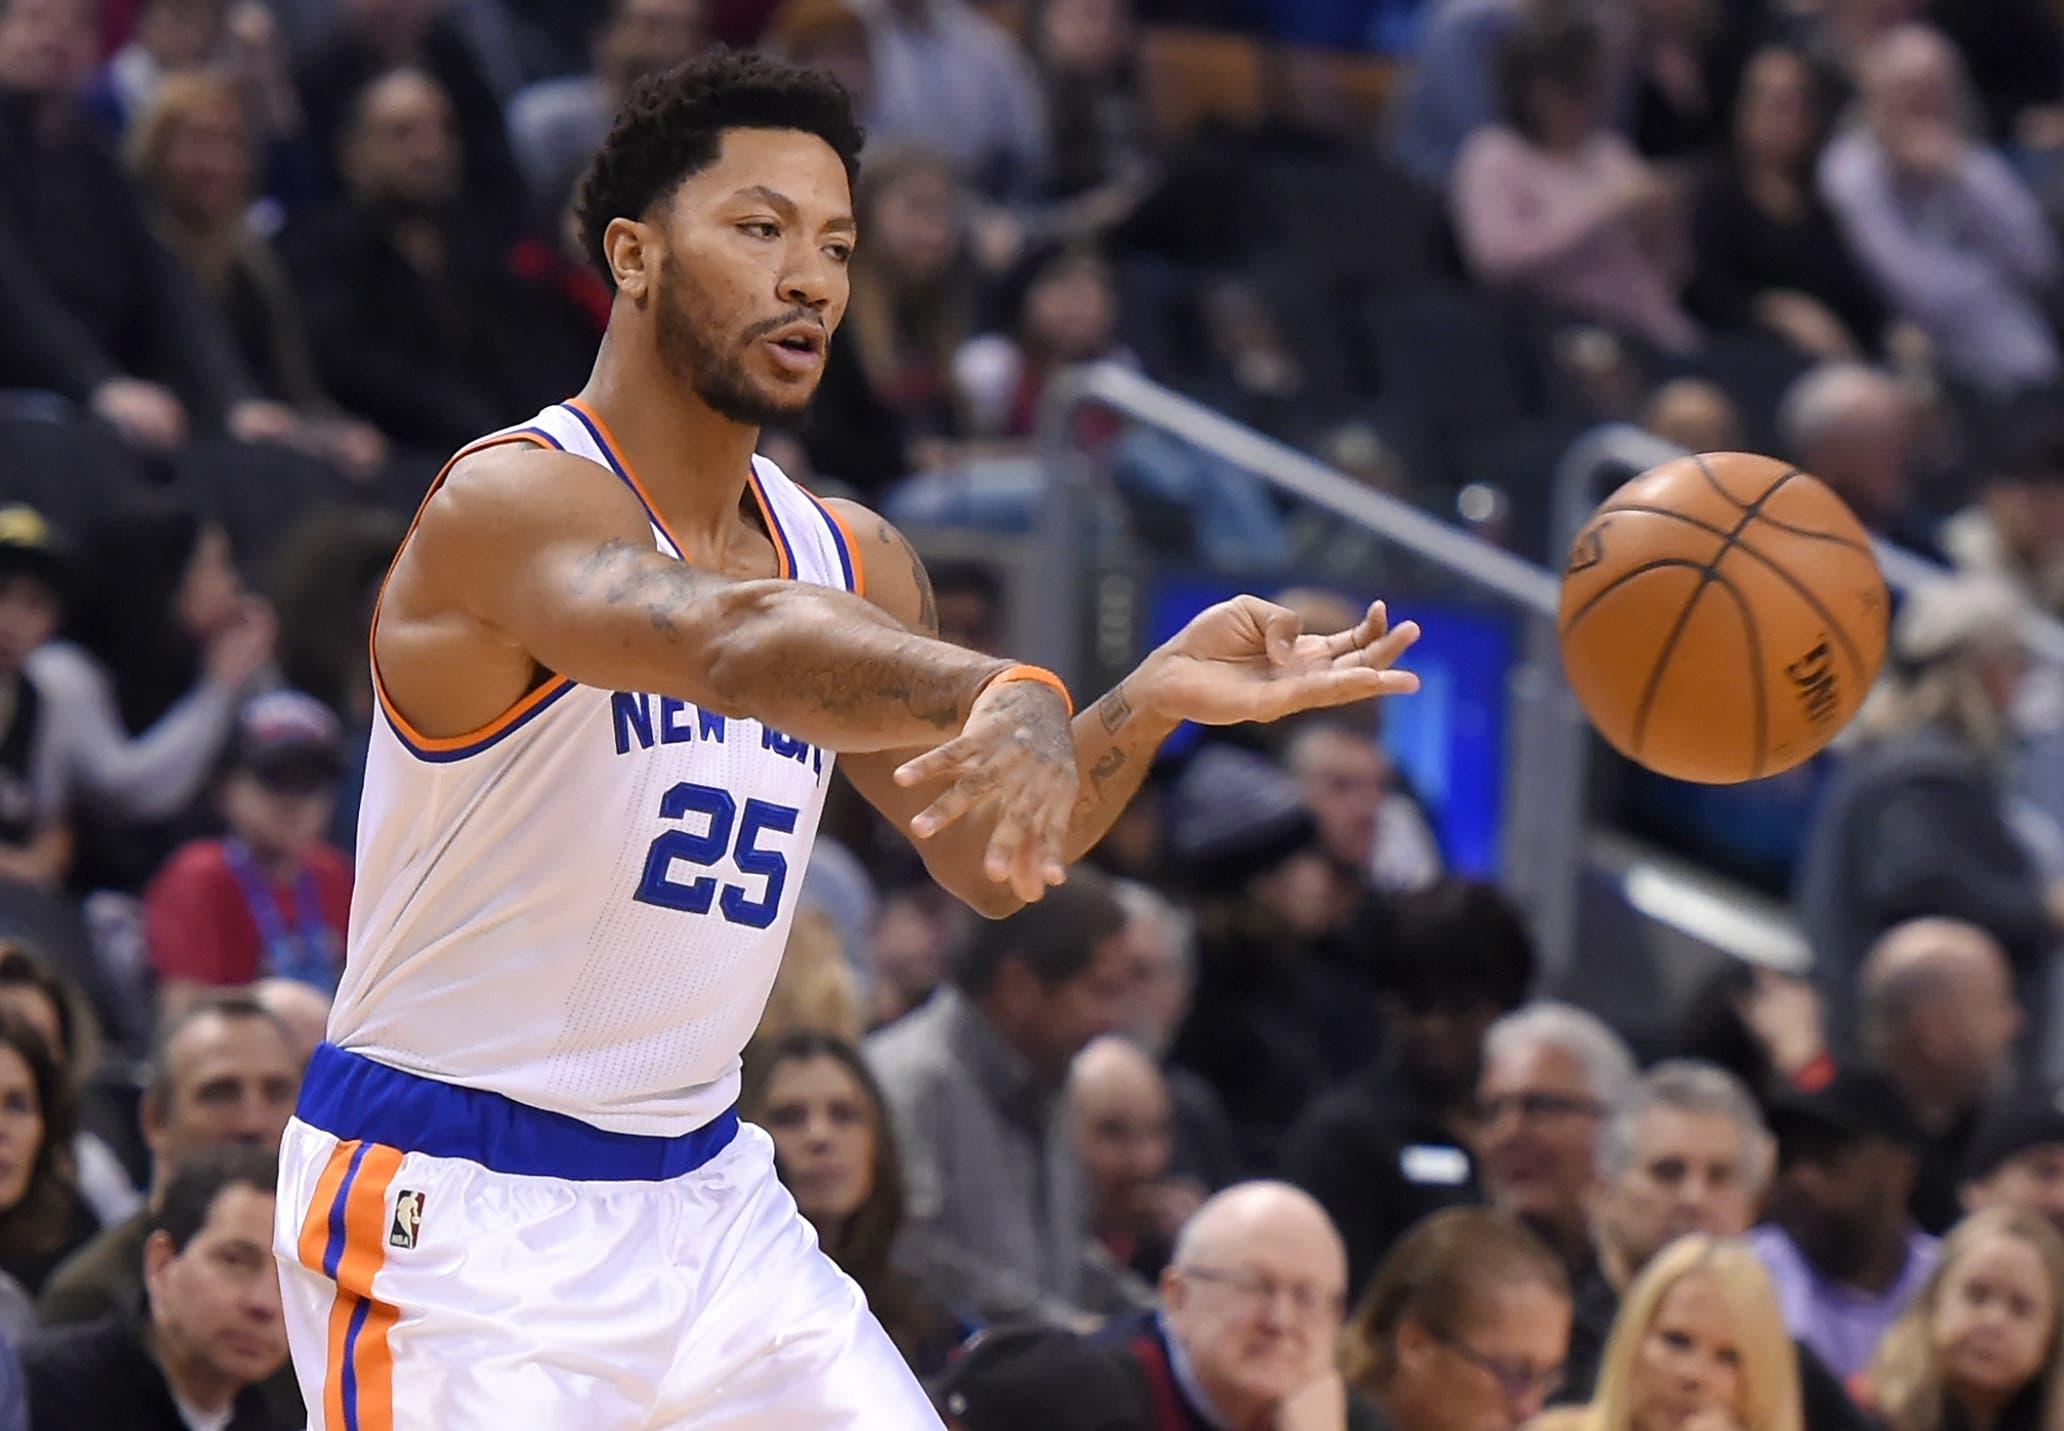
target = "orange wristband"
x: 1023, y: 672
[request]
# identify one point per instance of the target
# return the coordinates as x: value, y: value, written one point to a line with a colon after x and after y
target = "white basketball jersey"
x: 582, y: 905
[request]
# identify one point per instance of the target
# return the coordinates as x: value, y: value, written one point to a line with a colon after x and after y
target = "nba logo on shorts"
x: 408, y: 1218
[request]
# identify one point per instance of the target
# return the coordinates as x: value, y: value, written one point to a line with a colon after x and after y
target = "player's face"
x: 217, y: 1301
x: 752, y: 277
x: 822, y: 1124
x: 21, y: 1127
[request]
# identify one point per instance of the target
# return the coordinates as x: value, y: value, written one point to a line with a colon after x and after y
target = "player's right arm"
x: 529, y: 561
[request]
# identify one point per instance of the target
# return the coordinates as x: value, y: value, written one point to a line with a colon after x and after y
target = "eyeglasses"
x: 1536, y: 1107
x: 1519, y: 1383
x: 1307, y: 1301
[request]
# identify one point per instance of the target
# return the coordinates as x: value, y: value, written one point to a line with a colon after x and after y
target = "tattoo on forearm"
x: 1114, y: 710
x: 927, y: 599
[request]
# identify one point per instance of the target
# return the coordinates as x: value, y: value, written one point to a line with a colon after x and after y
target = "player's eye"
x: 840, y: 253
x: 762, y: 228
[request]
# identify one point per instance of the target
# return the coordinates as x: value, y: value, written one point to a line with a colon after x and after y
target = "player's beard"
x: 684, y: 323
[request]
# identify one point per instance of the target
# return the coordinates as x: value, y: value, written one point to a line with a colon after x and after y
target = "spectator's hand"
x: 240, y: 649
x: 1645, y: 192
x: 1017, y: 750
x: 146, y: 415
x: 1319, y: 1405
x: 1248, y: 659
x: 1925, y: 149
x: 356, y: 448
x: 1806, y: 323
x: 997, y: 240
x: 1784, y: 1014
x: 1166, y: 1205
x: 2041, y: 126
x: 258, y: 421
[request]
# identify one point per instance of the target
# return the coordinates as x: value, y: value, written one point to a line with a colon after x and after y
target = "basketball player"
x: 615, y: 659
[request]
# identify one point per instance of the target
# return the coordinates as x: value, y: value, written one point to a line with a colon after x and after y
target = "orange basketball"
x: 1722, y: 617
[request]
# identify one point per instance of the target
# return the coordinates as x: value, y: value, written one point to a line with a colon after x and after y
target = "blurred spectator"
x: 271, y: 898
x: 214, y: 1331
x: 1983, y: 1343
x: 225, y: 1073
x: 1677, y: 78
x: 1695, y: 414
x: 1367, y: 820
x: 1451, y: 90
x: 1391, y: 1145
x: 235, y: 39
x: 886, y: 401
x: 1698, y: 1343
x: 302, y: 1009
x: 836, y: 1154
x: 1099, y: 163
x: 1064, y: 312
x: 192, y: 150
x: 1019, y: 1377
x: 1550, y: 202
x: 826, y: 35
x: 376, y: 37
x: 1119, y: 1116
x: 1840, y: 1245
x: 946, y: 75
x: 145, y: 694
x: 2014, y: 532
x: 970, y: 597
x: 1915, y: 822
x: 2015, y: 1160
x: 1162, y: 939
x: 1464, y: 1327
x: 1685, y: 1153
x: 97, y: 310
x: 919, y: 927
x: 43, y: 1217
x: 43, y: 999
x: 423, y: 321
x: 996, y: 1198
x: 556, y: 125
x: 814, y: 989
x: 1857, y: 429
x: 1275, y: 1021
x: 1939, y: 1019
x: 1250, y: 1310
x: 1551, y: 1074
x: 1952, y: 237
x: 35, y: 835
x: 1768, y: 253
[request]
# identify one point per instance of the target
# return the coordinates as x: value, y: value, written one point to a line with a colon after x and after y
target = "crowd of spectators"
x: 1264, y: 1121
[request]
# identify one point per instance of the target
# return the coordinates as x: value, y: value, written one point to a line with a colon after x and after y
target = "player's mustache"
x: 765, y: 326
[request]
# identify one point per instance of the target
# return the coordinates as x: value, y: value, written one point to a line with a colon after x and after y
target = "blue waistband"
x: 353, y: 1097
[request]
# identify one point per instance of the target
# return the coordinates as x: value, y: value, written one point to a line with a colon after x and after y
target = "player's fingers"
x: 937, y: 763
x: 999, y: 861
x: 1046, y: 854
x: 1386, y: 650
x: 974, y: 785
x: 1363, y: 634
x: 1279, y: 631
x: 1356, y: 683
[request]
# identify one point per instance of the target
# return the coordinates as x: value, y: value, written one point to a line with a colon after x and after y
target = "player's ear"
x: 633, y: 256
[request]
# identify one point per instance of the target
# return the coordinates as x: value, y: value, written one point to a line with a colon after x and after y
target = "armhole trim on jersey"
x: 441, y: 749
x: 783, y: 549
x: 842, y: 538
x: 613, y: 454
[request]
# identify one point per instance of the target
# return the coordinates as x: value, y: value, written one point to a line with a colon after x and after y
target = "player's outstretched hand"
x: 1249, y: 659
x: 1018, y: 750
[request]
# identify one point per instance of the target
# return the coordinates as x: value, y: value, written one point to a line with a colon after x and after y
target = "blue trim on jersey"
x: 351, y: 1096
x: 609, y: 457
x: 444, y: 757
x: 838, y: 537
x: 333, y: 1250
x: 538, y: 432
x: 784, y: 549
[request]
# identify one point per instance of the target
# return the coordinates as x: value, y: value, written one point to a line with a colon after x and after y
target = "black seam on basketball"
x: 1659, y: 564
x: 1800, y: 589
x: 1707, y: 576
x: 1755, y: 640
x: 1764, y: 517
x: 1699, y: 460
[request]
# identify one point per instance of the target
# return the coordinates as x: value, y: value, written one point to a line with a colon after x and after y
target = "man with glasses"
x: 1551, y: 1073
x: 1251, y: 1307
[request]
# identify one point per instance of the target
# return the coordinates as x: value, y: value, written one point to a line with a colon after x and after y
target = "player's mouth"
x: 797, y: 348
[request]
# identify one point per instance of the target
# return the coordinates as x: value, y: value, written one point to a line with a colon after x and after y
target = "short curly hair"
x: 673, y: 122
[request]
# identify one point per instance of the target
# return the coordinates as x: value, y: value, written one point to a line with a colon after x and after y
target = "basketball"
x: 1722, y: 617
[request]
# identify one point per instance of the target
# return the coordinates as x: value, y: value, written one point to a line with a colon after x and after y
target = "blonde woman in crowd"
x: 1982, y: 1347
x: 1699, y: 1345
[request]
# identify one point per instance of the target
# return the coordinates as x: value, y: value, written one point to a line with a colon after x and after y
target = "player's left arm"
x: 1242, y: 660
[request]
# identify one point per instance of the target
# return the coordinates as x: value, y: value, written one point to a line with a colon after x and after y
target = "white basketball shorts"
x: 453, y: 1259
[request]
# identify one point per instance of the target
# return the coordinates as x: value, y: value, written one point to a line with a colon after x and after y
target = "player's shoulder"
x: 895, y: 576
x: 513, y: 485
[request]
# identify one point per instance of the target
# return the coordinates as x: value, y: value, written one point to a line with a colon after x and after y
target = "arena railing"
x: 1545, y: 837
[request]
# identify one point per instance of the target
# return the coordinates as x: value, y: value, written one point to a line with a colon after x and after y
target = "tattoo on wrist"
x: 927, y: 599
x: 1114, y: 710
